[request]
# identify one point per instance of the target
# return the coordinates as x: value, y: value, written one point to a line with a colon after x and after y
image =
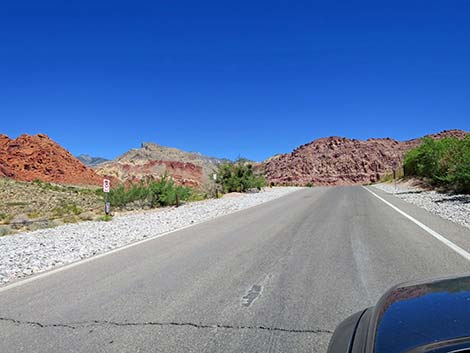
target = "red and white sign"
x: 106, y: 185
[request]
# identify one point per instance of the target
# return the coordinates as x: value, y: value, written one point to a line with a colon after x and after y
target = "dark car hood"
x: 417, y: 314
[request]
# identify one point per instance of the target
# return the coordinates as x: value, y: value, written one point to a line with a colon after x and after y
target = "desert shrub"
x: 163, y: 192
x: 386, y: 178
x: 198, y: 196
x: 17, y: 203
x: 457, y: 165
x: 157, y: 193
x: 70, y: 219
x: 105, y: 218
x: 122, y: 196
x: 4, y: 230
x: 5, y: 218
x: 63, y: 188
x: 34, y: 214
x: 239, y: 177
x: 445, y: 162
x: 48, y: 186
x: 67, y: 209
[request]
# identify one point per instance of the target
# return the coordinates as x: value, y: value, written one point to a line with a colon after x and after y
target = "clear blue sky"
x: 230, y: 78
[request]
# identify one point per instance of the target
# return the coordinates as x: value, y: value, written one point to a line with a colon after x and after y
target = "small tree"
x: 239, y: 177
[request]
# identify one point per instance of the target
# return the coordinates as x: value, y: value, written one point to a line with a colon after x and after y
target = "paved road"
x: 274, y: 278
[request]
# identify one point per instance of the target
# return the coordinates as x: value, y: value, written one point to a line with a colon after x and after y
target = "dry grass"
x: 33, y: 205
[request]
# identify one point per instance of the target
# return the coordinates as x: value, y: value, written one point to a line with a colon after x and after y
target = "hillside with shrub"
x: 37, y: 204
x: 343, y: 161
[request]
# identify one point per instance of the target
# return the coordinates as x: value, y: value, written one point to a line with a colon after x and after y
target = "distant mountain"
x: 91, y: 161
x: 31, y: 157
x: 338, y: 160
x: 152, y: 160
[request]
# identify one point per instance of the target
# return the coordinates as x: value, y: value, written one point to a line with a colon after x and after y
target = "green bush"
x: 122, y: 196
x: 156, y: 193
x: 445, y: 162
x: 239, y: 177
x: 5, y: 218
x: 105, y: 218
x: 309, y: 184
x: 163, y: 192
x: 67, y: 209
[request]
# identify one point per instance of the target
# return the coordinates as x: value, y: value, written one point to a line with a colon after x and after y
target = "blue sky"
x: 231, y: 78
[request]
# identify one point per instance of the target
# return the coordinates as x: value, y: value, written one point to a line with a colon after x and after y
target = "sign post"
x: 106, y: 187
x: 395, y: 175
x: 214, y: 176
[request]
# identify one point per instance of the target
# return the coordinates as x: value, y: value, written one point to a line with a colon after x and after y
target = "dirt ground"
x: 34, y: 205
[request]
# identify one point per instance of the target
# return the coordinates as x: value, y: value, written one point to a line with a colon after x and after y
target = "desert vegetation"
x: 239, y: 177
x: 34, y: 205
x: 444, y: 162
x: 154, y: 193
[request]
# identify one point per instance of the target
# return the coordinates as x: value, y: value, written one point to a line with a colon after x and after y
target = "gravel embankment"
x: 26, y: 253
x: 454, y: 207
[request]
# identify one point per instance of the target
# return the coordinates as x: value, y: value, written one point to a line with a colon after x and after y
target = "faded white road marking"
x: 435, y: 234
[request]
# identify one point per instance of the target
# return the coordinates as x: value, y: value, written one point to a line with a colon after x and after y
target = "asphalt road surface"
x: 274, y: 278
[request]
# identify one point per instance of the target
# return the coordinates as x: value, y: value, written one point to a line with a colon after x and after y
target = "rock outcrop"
x: 342, y: 161
x: 152, y: 161
x: 31, y: 157
x: 183, y: 173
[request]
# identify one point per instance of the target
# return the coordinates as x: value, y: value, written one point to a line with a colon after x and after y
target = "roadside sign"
x: 214, y: 176
x: 106, y: 185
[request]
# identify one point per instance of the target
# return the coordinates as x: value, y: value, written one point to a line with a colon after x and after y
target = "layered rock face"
x: 182, y: 173
x: 342, y: 161
x: 152, y: 161
x: 31, y: 157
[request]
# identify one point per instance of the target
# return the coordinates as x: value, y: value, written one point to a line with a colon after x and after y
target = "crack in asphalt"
x: 84, y: 324
x: 34, y: 323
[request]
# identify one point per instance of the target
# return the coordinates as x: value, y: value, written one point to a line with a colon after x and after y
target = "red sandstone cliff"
x: 31, y: 157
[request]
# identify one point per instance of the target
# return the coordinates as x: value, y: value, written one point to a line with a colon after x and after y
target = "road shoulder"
x: 453, y: 232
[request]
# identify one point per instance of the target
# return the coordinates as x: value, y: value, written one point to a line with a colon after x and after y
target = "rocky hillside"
x: 342, y: 161
x: 34, y: 205
x: 91, y: 161
x: 152, y: 160
x: 31, y: 157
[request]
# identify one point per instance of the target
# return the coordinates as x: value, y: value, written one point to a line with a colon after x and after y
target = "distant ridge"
x: 91, y: 161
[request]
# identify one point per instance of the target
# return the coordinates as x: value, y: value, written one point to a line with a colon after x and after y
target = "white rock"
x: 453, y: 207
x: 26, y: 253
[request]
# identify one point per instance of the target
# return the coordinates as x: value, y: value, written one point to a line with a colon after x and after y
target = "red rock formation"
x: 151, y: 161
x: 342, y: 161
x: 183, y: 173
x: 38, y: 157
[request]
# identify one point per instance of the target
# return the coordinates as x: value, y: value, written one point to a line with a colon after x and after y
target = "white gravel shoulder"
x: 453, y: 207
x: 26, y: 253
